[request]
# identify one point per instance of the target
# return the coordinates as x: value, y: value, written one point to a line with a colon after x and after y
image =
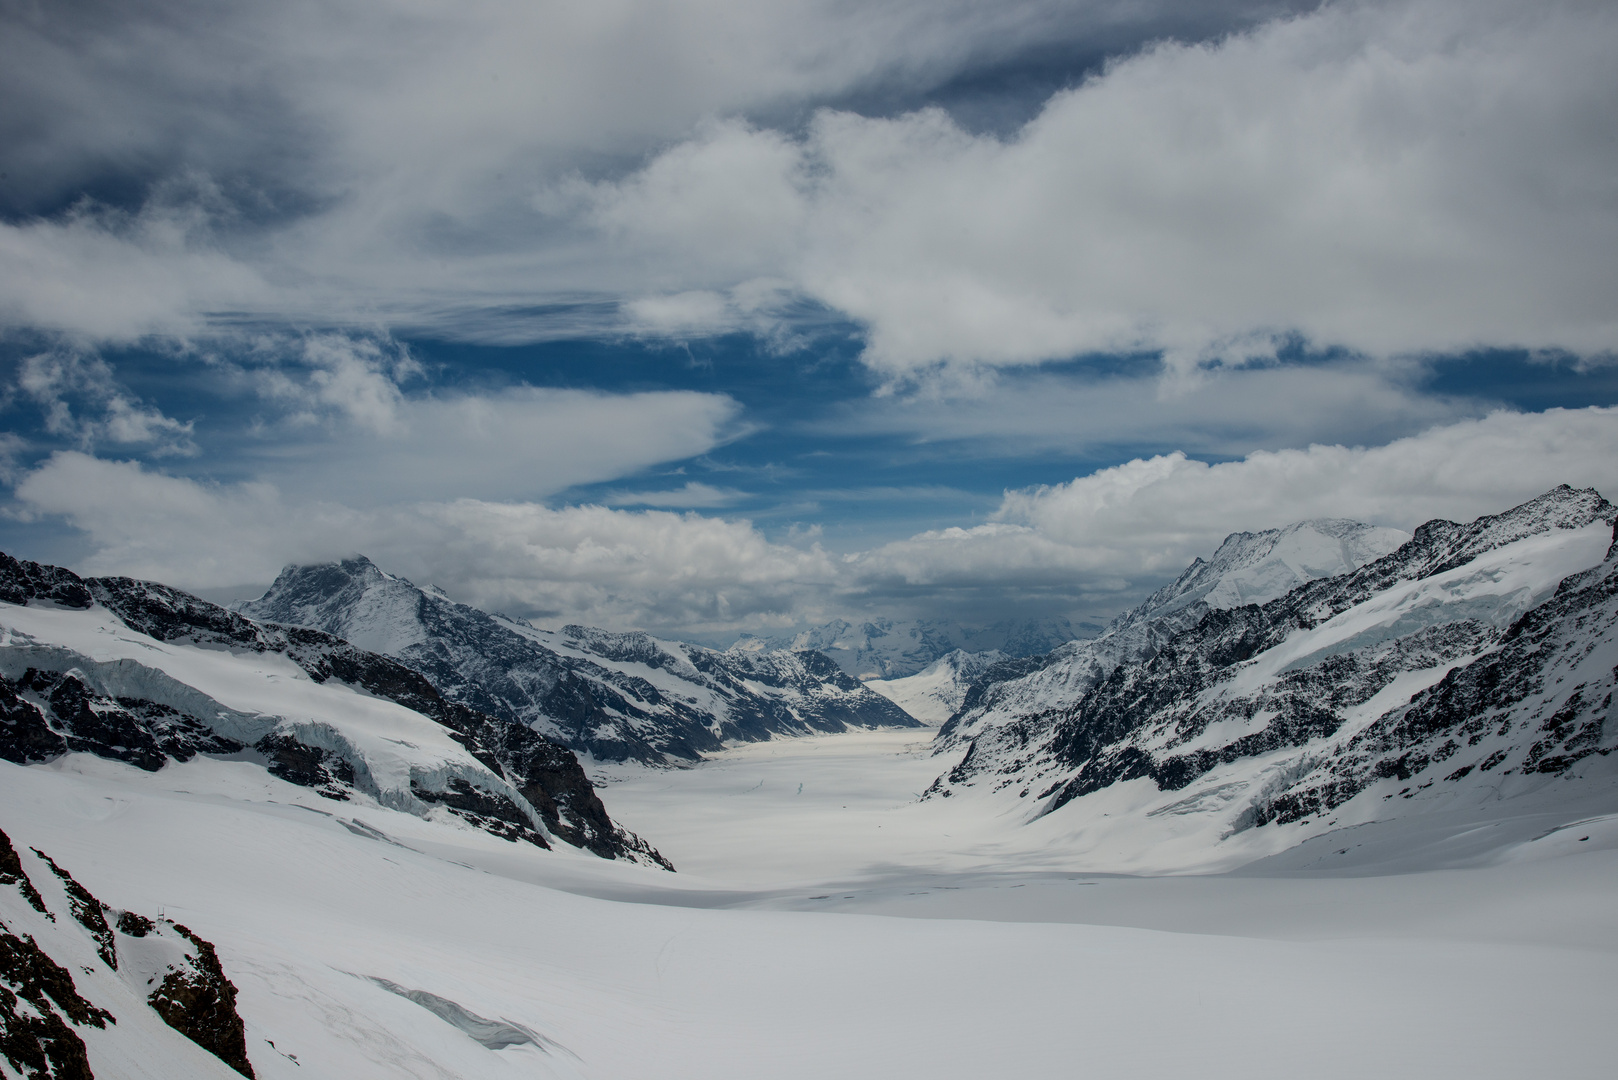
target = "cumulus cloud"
x: 1087, y: 547
x: 354, y: 378
x: 1389, y: 177
x: 376, y: 160
x: 1125, y: 529
x: 607, y: 567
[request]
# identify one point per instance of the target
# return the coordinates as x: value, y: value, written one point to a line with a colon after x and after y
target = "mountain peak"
x: 352, y: 598
x: 1255, y: 567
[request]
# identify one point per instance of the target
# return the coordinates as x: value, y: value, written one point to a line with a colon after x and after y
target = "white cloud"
x: 1219, y: 411
x: 104, y: 276
x: 607, y: 567
x: 350, y: 417
x: 516, y: 443
x: 1089, y: 546
x: 384, y: 160
x: 694, y: 495
x: 1129, y: 527
x: 1390, y: 177
x: 82, y: 400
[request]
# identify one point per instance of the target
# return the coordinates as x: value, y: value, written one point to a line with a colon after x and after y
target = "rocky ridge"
x: 1475, y: 654
x: 616, y: 696
x: 1247, y: 568
x: 511, y: 781
x: 45, y: 1014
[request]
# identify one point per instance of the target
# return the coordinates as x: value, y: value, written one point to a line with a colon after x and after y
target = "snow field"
x: 711, y: 973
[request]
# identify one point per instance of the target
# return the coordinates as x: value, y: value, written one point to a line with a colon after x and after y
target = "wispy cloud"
x: 81, y: 400
x: 694, y: 495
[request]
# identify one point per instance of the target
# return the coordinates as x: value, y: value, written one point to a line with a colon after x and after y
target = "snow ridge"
x: 1474, y: 657
x: 145, y: 674
x: 1247, y: 568
x: 615, y: 696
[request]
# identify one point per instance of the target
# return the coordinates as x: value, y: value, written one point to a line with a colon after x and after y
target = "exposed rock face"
x: 22, y: 581
x: 1248, y: 568
x: 86, y: 911
x: 37, y: 1041
x: 12, y: 873
x: 617, y: 696
x: 53, y: 708
x: 174, y: 970
x: 196, y: 998
x: 1488, y: 647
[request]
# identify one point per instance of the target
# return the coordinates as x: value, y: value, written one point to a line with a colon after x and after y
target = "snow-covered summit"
x: 1248, y: 568
x: 895, y: 648
x: 352, y: 598
x: 1476, y: 661
x: 1256, y: 567
x: 145, y: 674
x: 616, y: 696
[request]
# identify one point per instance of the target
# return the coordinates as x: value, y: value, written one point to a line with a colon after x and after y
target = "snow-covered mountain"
x: 144, y: 674
x: 896, y: 649
x: 616, y: 696
x: 935, y: 693
x: 1475, y: 661
x: 1248, y: 568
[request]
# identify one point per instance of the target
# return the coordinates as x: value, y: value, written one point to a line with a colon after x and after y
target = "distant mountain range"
x: 615, y: 696
x: 1473, y: 661
x: 894, y: 649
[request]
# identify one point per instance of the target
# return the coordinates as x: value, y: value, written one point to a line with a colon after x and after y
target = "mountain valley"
x: 1362, y: 776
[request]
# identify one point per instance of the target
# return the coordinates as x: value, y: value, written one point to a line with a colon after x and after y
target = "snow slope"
x: 1248, y: 568
x: 614, y: 696
x: 936, y: 693
x: 1474, y: 664
x: 145, y: 674
x: 367, y: 941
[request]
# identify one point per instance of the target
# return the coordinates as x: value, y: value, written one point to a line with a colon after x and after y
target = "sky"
x: 713, y: 317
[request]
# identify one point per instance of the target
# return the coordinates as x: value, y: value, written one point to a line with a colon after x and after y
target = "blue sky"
x: 712, y: 319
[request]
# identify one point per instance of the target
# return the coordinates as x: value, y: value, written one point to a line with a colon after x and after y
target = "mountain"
x: 1475, y: 661
x: 896, y: 649
x: 1247, y: 568
x: 615, y: 696
x: 141, y: 673
x: 935, y: 693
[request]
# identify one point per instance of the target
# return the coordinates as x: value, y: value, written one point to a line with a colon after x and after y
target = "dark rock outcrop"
x: 44, y: 714
x: 87, y: 912
x: 37, y: 1042
x: 198, y: 1000
x: 12, y: 873
x: 22, y: 581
